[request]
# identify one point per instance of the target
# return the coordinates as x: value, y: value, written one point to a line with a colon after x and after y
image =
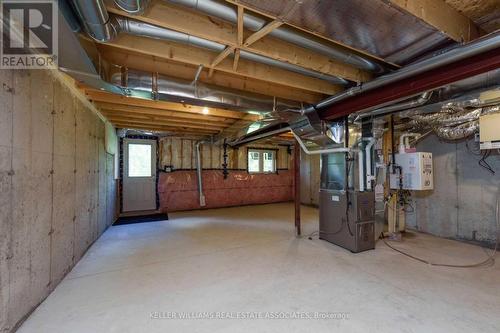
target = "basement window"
x: 261, y: 161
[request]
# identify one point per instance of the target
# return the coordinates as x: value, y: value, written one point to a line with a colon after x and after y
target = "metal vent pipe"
x: 95, y: 19
x: 104, y: 28
x: 135, y: 7
x: 201, y: 93
x: 138, y: 28
x: 254, y: 23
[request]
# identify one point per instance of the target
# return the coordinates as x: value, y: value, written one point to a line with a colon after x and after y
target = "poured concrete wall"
x: 462, y: 204
x: 57, y: 191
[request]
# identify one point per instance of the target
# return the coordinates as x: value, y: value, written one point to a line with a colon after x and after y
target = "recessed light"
x: 205, y: 110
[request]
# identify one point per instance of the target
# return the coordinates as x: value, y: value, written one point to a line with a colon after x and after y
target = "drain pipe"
x: 368, y: 156
x: 198, y: 172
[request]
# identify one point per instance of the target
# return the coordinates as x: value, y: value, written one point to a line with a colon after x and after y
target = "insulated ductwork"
x: 452, y: 122
x: 254, y: 23
x: 198, y: 93
x: 134, y: 7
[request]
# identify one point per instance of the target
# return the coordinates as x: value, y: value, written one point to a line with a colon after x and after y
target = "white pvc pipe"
x: 368, y: 154
x: 402, y: 143
x: 360, y: 170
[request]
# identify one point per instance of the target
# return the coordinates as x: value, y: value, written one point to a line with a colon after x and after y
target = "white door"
x: 139, y: 175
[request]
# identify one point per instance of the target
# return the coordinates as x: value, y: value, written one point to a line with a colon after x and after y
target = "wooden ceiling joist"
x: 148, y: 63
x: 176, y: 130
x: 196, y: 56
x: 162, y: 122
x: 163, y: 14
x: 443, y: 17
x: 102, y: 96
x: 176, y: 115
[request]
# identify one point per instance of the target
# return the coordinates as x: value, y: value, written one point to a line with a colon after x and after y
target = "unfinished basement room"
x: 249, y: 166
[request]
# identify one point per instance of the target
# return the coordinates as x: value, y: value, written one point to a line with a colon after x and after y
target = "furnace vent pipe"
x: 361, y: 172
x: 368, y: 156
x: 254, y: 23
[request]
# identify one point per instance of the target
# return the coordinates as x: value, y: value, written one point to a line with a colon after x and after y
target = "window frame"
x: 261, y: 152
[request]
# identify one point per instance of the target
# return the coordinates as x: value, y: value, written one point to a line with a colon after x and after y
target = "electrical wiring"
x: 482, y: 162
x: 490, y: 260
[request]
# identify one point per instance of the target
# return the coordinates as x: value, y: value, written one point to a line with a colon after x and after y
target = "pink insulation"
x: 179, y: 190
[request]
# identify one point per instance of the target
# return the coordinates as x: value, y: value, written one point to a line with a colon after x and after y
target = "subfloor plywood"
x: 248, y: 259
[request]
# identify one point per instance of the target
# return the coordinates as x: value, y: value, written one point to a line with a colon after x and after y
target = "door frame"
x: 141, y: 137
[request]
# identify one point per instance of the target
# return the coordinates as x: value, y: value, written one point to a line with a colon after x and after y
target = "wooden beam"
x: 196, y: 56
x: 149, y: 63
x: 236, y: 59
x: 158, y: 122
x: 102, y: 96
x: 296, y: 182
x: 166, y: 15
x: 262, y: 32
x: 144, y: 125
x: 162, y: 121
x: 128, y: 109
x: 443, y: 17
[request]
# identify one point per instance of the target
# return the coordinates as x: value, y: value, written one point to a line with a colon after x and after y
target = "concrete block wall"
x: 57, y: 190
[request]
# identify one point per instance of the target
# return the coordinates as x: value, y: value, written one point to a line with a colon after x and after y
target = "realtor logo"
x: 29, y: 34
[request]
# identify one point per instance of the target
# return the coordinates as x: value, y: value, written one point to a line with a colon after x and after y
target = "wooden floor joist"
x: 148, y: 63
x: 195, y: 56
x: 166, y: 15
x: 102, y: 96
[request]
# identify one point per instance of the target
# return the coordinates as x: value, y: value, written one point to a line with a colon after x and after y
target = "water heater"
x: 417, y: 172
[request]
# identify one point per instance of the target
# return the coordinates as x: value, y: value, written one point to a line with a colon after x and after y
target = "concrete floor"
x: 247, y: 259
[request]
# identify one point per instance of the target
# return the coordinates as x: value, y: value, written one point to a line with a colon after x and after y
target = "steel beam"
x: 415, y: 85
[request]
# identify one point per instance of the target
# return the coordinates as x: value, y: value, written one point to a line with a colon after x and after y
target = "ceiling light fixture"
x: 205, y: 110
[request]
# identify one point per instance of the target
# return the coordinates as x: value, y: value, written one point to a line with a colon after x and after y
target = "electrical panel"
x: 417, y: 172
x: 489, y: 135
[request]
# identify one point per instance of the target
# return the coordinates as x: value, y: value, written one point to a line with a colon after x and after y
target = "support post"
x: 296, y: 179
